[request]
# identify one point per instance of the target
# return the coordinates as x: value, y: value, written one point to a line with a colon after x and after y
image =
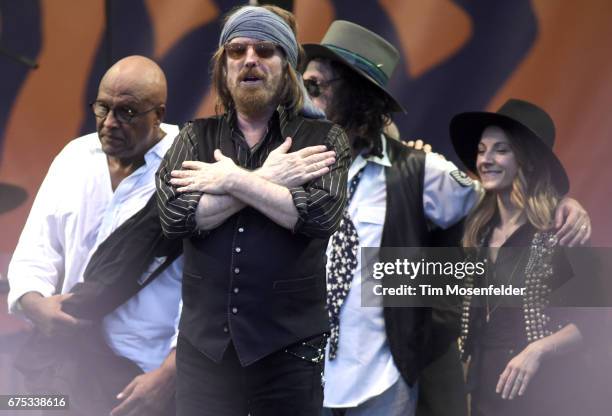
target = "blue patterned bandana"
x: 261, y: 24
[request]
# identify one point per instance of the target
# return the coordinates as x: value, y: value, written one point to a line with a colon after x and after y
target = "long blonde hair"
x: 533, y: 192
x: 291, y: 94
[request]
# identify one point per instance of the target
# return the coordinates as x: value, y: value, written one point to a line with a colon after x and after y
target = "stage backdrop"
x: 456, y: 56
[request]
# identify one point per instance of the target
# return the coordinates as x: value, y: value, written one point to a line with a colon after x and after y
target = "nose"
x: 484, y: 158
x: 110, y: 120
x: 251, y: 58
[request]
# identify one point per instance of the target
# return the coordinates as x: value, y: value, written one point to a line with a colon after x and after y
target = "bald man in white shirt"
x: 95, y: 184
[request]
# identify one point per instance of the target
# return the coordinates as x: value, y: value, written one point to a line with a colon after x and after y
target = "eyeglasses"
x: 237, y: 50
x: 314, y: 86
x: 122, y: 114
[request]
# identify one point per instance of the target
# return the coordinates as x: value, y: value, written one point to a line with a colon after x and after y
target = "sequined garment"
x: 538, y: 275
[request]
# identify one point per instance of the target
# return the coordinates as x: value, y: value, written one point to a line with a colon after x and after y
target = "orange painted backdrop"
x: 565, y: 66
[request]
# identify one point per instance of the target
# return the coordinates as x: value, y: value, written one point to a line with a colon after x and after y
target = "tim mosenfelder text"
x: 403, y: 268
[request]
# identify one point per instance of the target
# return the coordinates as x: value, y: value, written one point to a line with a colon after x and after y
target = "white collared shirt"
x: 364, y: 366
x: 74, y: 211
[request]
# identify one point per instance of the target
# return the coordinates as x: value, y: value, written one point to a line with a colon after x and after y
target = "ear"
x: 161, y: 112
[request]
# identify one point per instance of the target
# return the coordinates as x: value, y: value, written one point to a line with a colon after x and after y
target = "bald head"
x: 130, y: 108
x: 138, y: 76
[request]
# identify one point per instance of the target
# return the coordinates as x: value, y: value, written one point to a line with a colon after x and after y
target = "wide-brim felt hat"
x: 518, y: 117
x: 361, y: 50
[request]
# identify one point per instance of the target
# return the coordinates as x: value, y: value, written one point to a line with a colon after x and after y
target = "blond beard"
x: 255, y: 101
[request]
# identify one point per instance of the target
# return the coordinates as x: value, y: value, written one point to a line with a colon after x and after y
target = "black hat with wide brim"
x: 518, y: 117
x: 361, y: 50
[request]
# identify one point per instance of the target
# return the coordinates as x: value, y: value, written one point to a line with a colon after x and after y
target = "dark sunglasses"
x: 237, y: 50
x: 314, y: 86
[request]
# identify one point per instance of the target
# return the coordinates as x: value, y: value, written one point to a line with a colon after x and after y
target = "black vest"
x: 250, y: 280
x: 417, y: 336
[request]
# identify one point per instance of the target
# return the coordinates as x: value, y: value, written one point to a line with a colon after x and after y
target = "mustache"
x: 251, y: 72
x: 112, y: 133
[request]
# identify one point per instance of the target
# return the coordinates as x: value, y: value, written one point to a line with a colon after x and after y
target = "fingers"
x: 419, y: 145
x: 284, y: 146
x: 518, y: 382
x: 219, y: 156
x: 66, y: 319
x: 587, y: 234
x: 72, y: 321
x: 506, y: 380
x: 317, y: 174
x: 565, y: 233
x: 559, y: 216
x: 192, y: 164
x: 524, y: 384
x: 181, y: 182
x: 581, y: 235
x: 501, y: 382
x: 65, y: 296
x: 311, y: 150
x: 128, y: 403
x: 182, y: 173
x: 186, y: 189
x: 510, y: 380
x: 127, y: 390
x: 124, y: 408
x: 319, y: 157
x: 573, y: 231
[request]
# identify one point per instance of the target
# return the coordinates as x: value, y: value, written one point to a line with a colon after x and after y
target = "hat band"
x: 363, y: 64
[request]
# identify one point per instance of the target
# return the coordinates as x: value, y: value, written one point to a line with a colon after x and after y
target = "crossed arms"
x: 303, y: 191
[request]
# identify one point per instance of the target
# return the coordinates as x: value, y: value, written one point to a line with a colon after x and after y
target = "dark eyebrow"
x: 500, y: 144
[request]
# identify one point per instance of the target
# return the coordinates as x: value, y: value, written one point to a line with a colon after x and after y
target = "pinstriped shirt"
x: 318, y: 205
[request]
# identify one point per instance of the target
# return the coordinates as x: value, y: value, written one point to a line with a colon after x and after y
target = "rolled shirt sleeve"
x: 37, y: 264
x: 177, y: 210
x: 321, y: 202
x: 448, y: 193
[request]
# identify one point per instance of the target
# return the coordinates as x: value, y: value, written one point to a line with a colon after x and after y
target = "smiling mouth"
x: 490, y: 173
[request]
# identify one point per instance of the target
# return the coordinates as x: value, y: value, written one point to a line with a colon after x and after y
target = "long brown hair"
x: 532, y: 192
x: 357, y: 106
x: 291, y: 96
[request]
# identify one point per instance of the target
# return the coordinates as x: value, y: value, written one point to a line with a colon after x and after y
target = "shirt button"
x: 234, y: 310
x: 225, y: 329
x: 237, y: 270
x: 241, y: 229
x: 237, y: 249
x: 236, y: 290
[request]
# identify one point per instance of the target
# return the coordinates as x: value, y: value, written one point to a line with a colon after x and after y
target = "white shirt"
x: 364, y: 367
x: 74, y: 211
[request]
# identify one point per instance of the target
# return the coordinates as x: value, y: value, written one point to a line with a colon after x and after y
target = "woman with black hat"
x: 518, y: 355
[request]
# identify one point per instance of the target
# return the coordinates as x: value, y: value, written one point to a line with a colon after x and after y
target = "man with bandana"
x: 254, y: 236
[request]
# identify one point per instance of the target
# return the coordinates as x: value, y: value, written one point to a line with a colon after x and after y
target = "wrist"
x: 543, y: 348
x: 263, y: 173
x: 168, y: 366
x: 233, y: 179
x: 29, y: 302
